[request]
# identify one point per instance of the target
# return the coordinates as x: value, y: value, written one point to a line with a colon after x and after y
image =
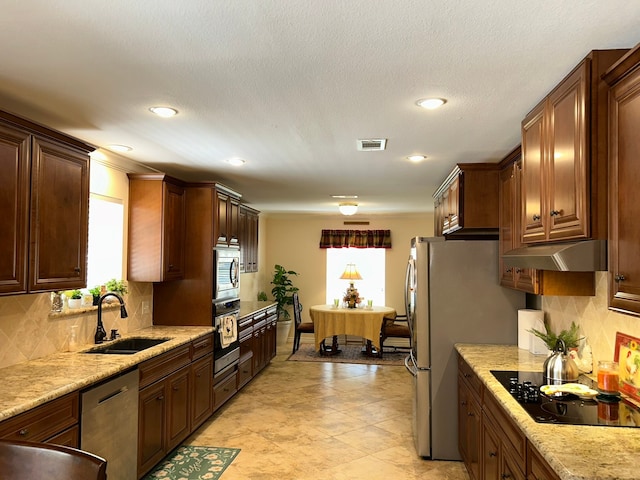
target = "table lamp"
x: 352, y: 297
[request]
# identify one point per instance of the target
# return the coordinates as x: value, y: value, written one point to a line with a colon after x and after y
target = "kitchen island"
x: 573, y: 452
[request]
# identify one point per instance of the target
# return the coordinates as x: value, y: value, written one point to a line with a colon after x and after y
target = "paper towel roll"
x: 528, y: 319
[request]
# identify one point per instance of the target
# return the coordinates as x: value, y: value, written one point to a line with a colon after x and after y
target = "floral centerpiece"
x: 352, y: 297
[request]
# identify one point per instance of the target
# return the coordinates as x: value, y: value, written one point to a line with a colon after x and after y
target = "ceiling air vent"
x: 372, y: 144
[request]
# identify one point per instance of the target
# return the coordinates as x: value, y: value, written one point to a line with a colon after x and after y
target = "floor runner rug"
x: 348, y: 354
x: 194, y: 463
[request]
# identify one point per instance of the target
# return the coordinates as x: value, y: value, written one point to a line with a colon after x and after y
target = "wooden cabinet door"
x: 454, y: 199
x: 533, y: 153
x: 174, y: 231
x: 151, y: 426
x: 221, y: 222
x: 537, y: 467
x: 178, y: 411
x: 490, y: 452
x: 202, y: 390
x: 233, y: 217
x: 59, y: 217
x: 567, y: 159
x: 469, y: 429
x: 14, y: 209
x: 624, y: 200
x: 507, y: 228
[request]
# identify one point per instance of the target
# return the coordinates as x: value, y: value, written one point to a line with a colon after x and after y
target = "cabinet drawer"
x: 245, y: 372
x: 224, y: 390
x: 163, y: 365
x: 43, y: 422
x: 244, y: 322
x: 470, y: 377
x: 202, y: 347
x: 69, y: 438
x: 513, y: 437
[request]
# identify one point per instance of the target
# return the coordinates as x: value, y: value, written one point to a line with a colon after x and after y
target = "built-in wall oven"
x: 226, y: 268
x: 226, y: 346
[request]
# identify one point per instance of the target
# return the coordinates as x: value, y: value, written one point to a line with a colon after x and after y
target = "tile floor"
x: 304, y: 420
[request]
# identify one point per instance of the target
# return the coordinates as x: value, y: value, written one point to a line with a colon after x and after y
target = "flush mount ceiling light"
x: 348, y: 208
x: 164, y: 112
x: 416, y: 158
x: 431, y: 103
x: 236, y: 161
x: 119, y: 148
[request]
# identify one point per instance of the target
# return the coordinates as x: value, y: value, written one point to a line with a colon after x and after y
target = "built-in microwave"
x: 226, y: 268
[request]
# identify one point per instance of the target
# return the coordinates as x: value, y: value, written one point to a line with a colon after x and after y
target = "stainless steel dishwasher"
x: 109, y: 424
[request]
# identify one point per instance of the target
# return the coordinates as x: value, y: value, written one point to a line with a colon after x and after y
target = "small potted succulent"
x: 75, y: 298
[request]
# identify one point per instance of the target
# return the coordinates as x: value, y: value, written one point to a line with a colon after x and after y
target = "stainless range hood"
x: 583, y: 256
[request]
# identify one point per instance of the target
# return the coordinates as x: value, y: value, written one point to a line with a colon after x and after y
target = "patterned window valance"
x: 355, y: 239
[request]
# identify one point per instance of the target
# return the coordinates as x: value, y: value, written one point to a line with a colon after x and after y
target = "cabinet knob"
x: 555, y: 213
x: 463, y: 403
x: 518, y: 270
x: 170, y: 267
x: 619, y: 278
x: 493, y: 454
x: 76, y: 270
x: 506, y: 475
x: 509, y: 270
x: 536, y: 217
x: 470, y: 414
x: 24, y: 432
x: 160, y: 397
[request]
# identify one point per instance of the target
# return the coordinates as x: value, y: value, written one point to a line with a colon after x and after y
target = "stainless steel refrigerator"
x: 452, y: 295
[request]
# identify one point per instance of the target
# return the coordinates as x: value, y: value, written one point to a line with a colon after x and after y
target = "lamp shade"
x: 348, y: 208
x: 351, y: 273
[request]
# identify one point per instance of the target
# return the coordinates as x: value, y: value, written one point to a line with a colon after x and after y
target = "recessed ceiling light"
x: 416, y: 158
x: 164, y: 112
x: 431, y: 103
x: 119, y: 148
x: 236, y: 161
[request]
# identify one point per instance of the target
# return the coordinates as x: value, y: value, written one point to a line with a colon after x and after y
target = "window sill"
x: 67, y: 312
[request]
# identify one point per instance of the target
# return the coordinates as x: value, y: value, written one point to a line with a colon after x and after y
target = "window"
x: 106, y: 225
x: 371, y: 265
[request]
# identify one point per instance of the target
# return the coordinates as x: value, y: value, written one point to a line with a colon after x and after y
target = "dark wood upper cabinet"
x: 156, y: 228
x: 466, y: 203
x: 227, y: 222
x: 248, y: 239
x: 44, y: 204
x: 539, y: 282
x: 624, y: 177
x: 564, y: 158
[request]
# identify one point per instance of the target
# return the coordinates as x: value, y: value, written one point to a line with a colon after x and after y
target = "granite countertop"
x: 33, y: 383
x: 250, y: 307
x: 575, y: 452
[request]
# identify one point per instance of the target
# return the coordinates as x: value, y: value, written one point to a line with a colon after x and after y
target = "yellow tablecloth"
x: 365, y: 323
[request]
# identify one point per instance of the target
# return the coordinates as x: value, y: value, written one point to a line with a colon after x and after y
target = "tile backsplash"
x: 596, y: 321
x: 27, y: 331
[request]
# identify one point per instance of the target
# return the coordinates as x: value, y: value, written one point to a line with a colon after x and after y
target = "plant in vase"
x: 75, y: 298
x: 550, y: 338
x: 116, y: 286
x: 95, y: 293
x: 283, y: 291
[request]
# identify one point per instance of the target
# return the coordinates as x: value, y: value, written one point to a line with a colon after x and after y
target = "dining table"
x: 331, y: 321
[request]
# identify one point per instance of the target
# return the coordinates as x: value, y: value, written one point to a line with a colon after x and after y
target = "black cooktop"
x: 604, y: 411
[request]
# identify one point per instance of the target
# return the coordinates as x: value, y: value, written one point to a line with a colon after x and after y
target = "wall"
x: 28, y: 331
x: 292, y: 241
x: 596, y: 321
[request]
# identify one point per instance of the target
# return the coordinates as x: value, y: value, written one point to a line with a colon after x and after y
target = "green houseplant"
x: 550, y: 338
x: 75, y: 298
x: 95, y: 293
x: 116, y: 286
x: 283, y: 291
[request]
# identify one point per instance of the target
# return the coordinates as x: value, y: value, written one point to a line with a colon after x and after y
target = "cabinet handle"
x: 470, y: 414
x: 493, y: 454
x: 159, y: 398
x: 555, y: 213
x: 24, y: 432
x: 76, y: 270
x: 170, y: 267
x: 509, y: 270
x: 619, y: 278
x: 536, y: 217
x: 463, y: 403
x: 175, y: 389
x: 518, y: 270
x: 506, y: 475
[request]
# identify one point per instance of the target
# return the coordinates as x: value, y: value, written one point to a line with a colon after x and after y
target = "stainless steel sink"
x: 127, y: 346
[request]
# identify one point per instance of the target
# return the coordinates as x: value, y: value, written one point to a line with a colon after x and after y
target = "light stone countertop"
x: 33, y: 383
x: 250, y: 307
x: 575, y: 452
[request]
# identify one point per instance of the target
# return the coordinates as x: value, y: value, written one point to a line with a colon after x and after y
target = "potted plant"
x: 116, y: 286
x: 570, y: 337
x: 95, y: 293
x: 262, y: 296
x: 282, y: 292
x: 75, y: 298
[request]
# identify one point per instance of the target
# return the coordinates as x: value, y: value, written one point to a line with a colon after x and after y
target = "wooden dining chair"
x: 397, y: 327
x: 29, y: 461
x: 300, y: 326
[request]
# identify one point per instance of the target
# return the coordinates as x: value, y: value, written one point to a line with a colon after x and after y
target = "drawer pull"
x: 24, y: 432
x: 619, y: 278
x: 536, y: 217
x: 493, y: 454
x: 159, y: 398
x: 555, y: 213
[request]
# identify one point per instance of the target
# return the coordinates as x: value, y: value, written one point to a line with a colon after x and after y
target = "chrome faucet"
x: 101, y: 334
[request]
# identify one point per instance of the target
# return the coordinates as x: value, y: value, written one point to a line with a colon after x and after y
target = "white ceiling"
x: 291, y: 85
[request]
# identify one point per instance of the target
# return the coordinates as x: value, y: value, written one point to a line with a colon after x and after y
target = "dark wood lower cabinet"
x: 202, y: 391
x: 179, y: 414
x: 492, y: 446
x: 152, y: 416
